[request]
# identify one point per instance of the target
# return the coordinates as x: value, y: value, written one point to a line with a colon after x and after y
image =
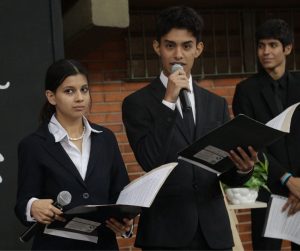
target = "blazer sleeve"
x: 30, y: 177
x: 149, y: 129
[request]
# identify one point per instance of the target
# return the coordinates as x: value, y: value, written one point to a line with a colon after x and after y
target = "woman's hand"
x: 44, y: 212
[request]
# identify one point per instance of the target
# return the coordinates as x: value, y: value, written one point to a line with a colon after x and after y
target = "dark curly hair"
x: 180, y: 17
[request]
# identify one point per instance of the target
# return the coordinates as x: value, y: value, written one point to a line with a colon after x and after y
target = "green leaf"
x: 259, y: 176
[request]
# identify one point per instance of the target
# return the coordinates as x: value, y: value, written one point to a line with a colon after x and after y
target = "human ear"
x: 156, y: 48
x: 50, y: 97
x: 288, y: 49
x: 199, y: 49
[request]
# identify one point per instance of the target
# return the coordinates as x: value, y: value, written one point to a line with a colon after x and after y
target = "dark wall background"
x: 30, y: 40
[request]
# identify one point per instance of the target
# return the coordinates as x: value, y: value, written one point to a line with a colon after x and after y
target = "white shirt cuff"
x: 172, y: 106
x: 244, y: 172
x: 28, y: 209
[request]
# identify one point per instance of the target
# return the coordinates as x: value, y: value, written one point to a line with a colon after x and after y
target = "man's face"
x: 178, y: 46
x: 272, y: 54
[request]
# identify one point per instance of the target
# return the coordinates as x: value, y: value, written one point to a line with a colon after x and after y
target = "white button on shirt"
x: 80, y: 159
x: 164, y: 80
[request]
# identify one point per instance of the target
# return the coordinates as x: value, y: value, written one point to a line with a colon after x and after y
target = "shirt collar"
x: 282, y: 82
x: 164, y: 80
x: 60, y: 133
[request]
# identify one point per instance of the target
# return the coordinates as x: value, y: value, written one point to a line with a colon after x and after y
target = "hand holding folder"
x: 83, y: 221
x: 212, y: 150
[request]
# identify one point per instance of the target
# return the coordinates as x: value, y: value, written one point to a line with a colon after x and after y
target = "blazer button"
x: 85, y: 195
x: 196, y: 186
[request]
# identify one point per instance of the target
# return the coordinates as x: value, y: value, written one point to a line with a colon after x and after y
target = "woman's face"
x: 72, y: 98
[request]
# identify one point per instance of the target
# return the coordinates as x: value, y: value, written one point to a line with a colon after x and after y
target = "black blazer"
x: 191, y: 198
x: 254, y: 97
x: 45, y: 169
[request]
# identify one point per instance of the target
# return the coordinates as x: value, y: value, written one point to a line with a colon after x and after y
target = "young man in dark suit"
x: 262, y: 97
x: 189, y: 211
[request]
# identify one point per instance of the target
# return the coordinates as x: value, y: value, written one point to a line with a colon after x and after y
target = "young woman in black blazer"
x: 67, y: 152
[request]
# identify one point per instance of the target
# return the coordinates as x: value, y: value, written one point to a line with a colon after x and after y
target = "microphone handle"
x: 57, y: 205
x: 36, y: 227
x: 184, y: 100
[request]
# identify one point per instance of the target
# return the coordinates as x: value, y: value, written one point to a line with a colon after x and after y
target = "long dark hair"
x: 56, y: 74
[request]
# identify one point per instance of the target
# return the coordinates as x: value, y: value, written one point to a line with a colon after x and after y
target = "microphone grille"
x: 64, y: 198
x: 176, y: 67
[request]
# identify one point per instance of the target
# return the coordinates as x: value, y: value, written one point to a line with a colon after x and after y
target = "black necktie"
x: 277, y: 96
x: 189, y: 122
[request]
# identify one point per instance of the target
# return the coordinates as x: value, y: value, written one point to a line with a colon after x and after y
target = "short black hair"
x: 180, y: 17
x: 275, y: 29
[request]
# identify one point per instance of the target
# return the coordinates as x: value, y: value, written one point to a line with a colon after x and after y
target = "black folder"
x: 83, y: 222
x: 103, y: 212
x: 98, y: 213
x: 212, y: 150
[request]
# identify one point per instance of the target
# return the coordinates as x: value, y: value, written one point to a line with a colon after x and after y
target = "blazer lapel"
x: 96, y: 149
x: 158, y: 91
x: 57, y: 152
x: 200, y: 103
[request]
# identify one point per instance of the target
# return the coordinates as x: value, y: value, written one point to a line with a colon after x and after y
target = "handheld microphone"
x: 183, y: 94
x: 63, y: 198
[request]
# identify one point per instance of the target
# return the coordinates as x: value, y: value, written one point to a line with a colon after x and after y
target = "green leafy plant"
x: 259, y: 176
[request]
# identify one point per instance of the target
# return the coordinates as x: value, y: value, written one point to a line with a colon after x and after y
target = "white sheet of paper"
x: 281, y: 226
x: 142, y: 191
x: 282, y: 121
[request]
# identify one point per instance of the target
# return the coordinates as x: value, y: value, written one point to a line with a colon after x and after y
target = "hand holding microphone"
x: 63, y: 198
x: 183, y: 94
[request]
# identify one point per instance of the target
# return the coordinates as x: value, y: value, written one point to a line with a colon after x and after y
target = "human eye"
x: 260, y: 46
x: 169, y: 45
x: 274, y: 45
x: 187, y: 46
x: 85, y: 89
x: 69, y: 91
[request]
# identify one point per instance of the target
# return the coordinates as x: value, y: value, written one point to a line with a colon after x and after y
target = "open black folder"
x: 82, y: 222
x: 211, y: 151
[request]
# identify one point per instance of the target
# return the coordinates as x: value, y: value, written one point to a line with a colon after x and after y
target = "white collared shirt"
x: 164, y: 80
x: 80, y: 159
